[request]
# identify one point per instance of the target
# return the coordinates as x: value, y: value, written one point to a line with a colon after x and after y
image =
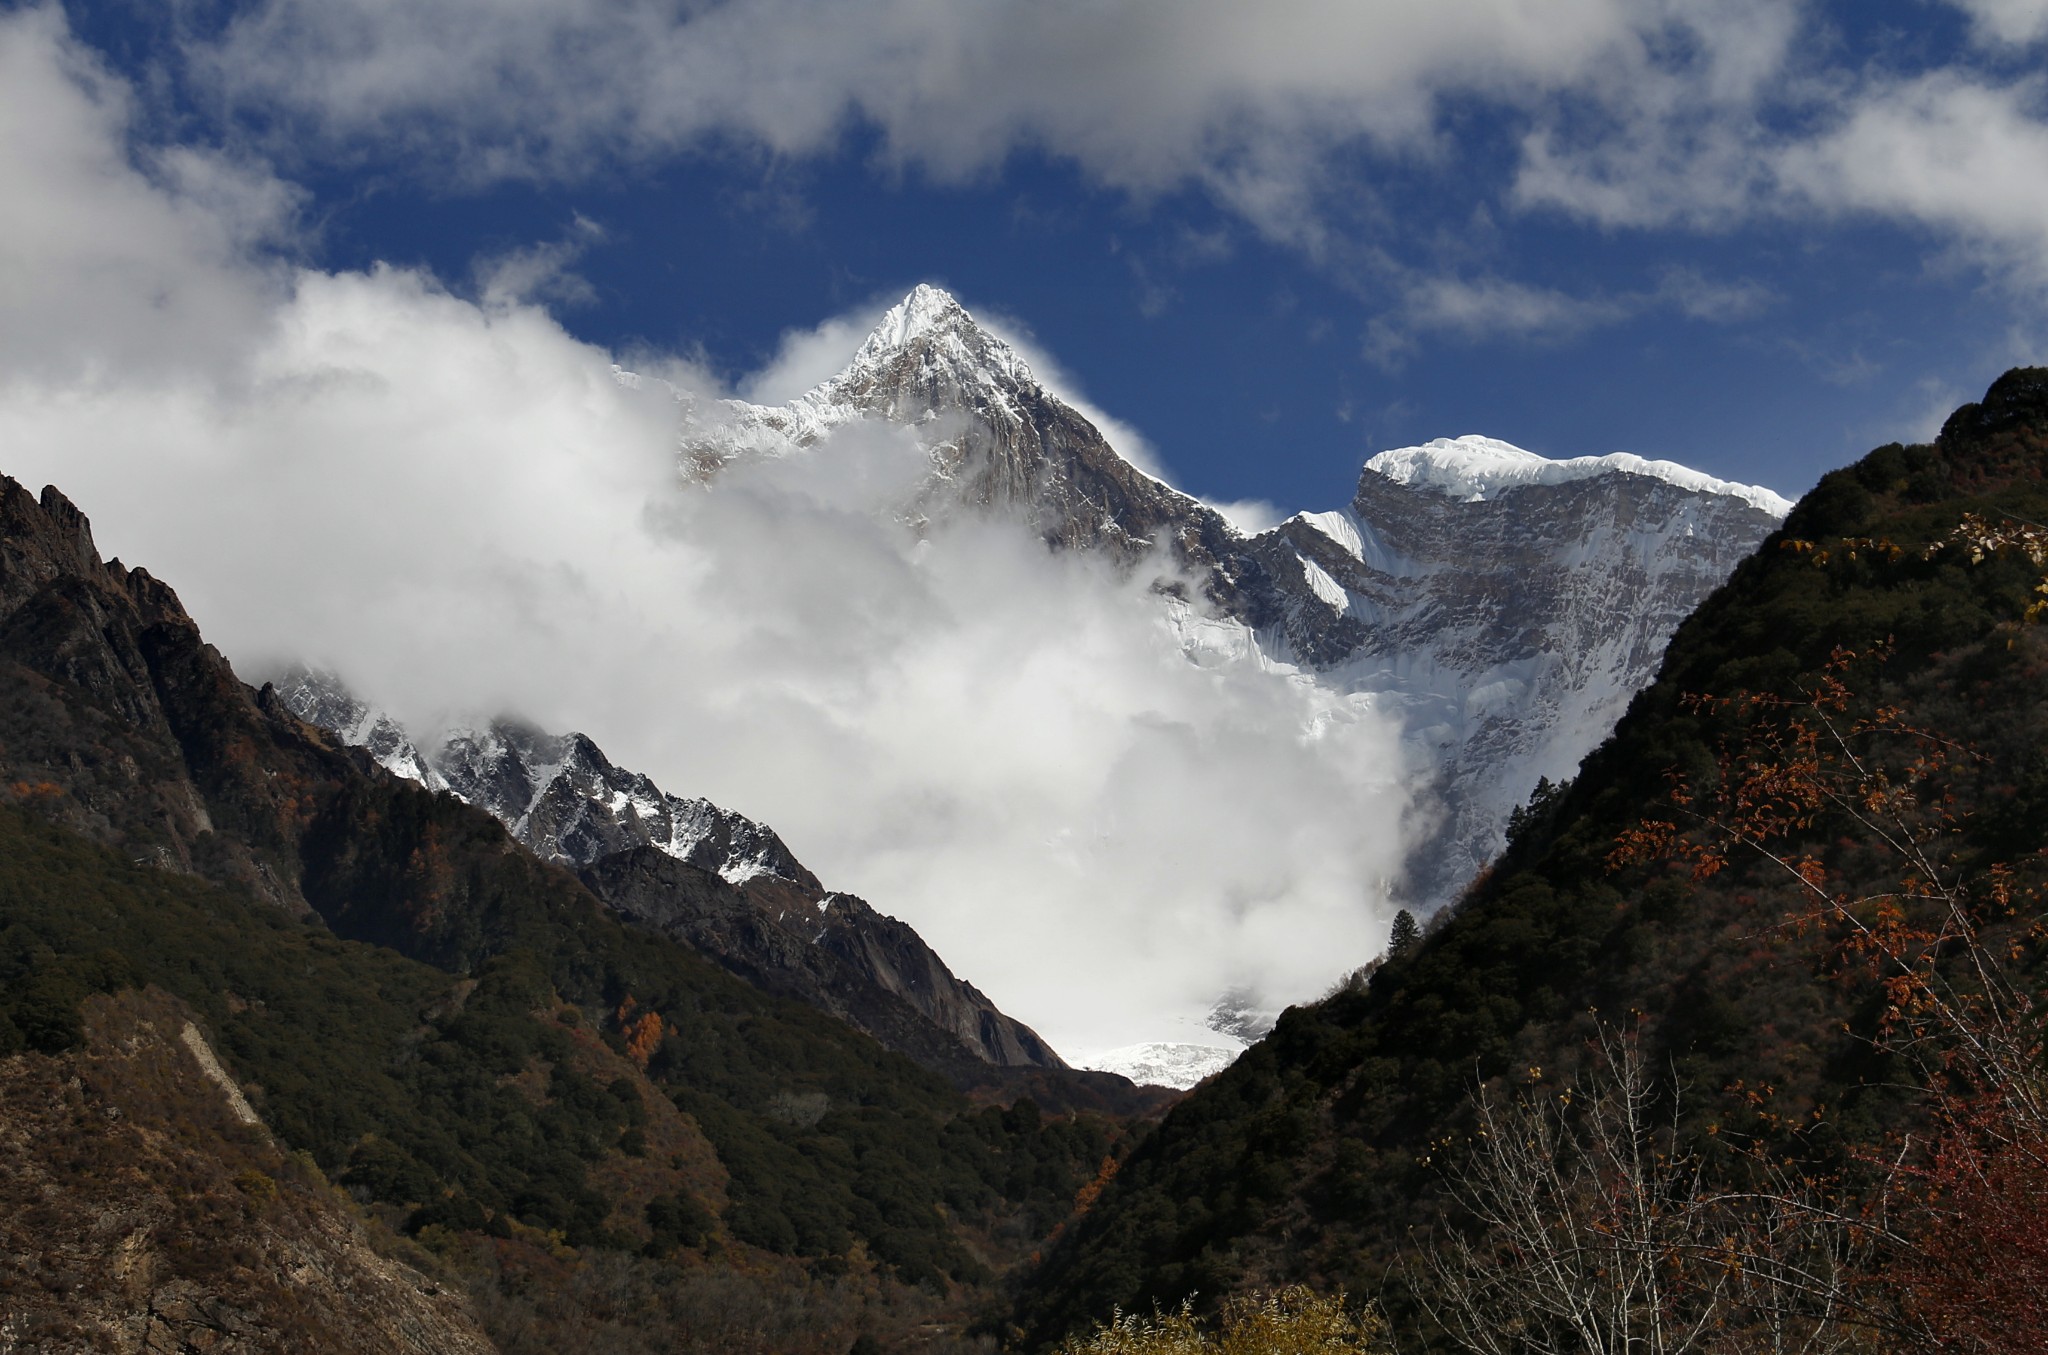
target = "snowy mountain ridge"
x: 1476, y: 468
x: 1503, y: 605
x: 717, y: 880
x: 557, y: 794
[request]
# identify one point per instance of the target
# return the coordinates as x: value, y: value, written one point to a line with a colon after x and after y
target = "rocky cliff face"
x: 716, y: 879
x: 1509, y: 606
x: 123, y: 724
x: 831, y: 950
x: 1505, y: 605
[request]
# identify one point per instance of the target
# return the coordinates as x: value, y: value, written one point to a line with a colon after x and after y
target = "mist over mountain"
x: 1884, y: 648
x: 1499, y: 609
x: 458, y: 505
x: 704, y: 875
x: 1473, y: 620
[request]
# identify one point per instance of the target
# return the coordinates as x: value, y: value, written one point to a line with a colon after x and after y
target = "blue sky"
x: 1755, y: 237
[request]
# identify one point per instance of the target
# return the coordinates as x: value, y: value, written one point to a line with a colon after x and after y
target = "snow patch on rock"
x: 1161, y: 1063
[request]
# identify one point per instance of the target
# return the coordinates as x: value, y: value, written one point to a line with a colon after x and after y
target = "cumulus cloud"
x: 110, y: 265
x: 1964, y: 157
x: 806, y: 358
x: 1142, y: 94
x: 1639, y: 114
x: 456, y: 504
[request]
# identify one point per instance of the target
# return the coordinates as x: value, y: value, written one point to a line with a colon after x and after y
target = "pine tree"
x: 1405, y: 934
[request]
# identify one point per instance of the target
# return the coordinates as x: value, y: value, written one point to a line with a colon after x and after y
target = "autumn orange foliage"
x: 642, y: 1033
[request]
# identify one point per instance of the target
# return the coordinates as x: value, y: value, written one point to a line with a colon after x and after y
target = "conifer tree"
x: 1404, y: 936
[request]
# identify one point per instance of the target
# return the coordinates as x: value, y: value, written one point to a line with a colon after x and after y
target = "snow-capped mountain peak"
x: 997, y: 438
x: 926, y: 358
x: 1502, y: 606
x: 1474, y: 469
x: 925, y: 363
x: 933, y: 321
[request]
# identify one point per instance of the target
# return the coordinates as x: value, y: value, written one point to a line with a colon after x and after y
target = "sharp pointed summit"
x: 997, y: 438
x: 1506, y: 604
x: 928, y: 312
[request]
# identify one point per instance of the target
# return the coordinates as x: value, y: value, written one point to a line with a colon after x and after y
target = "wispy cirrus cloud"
x: 1492, y: 308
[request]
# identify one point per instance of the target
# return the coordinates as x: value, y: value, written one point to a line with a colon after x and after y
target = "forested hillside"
x: 1707, y: 889
x: 579, y: 1120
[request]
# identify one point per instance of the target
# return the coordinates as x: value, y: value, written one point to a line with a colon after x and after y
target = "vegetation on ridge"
x: 460, y: 1034
x: 1316, y: 1158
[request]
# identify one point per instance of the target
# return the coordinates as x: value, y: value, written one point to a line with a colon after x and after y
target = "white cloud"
x: 1250, y: 516
x: 2017, y: 23
x: 1640, y: 114
x: 453, y: 502
x: 1960, y: 156
x: 542, y: 272
x: 808, y: 357
x: 1496, y: 307
x: 109, y: 267
x: 1142, y: 94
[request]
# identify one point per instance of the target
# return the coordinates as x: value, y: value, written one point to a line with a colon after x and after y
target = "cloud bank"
x: 456, y: 504
x: 1630, y: 113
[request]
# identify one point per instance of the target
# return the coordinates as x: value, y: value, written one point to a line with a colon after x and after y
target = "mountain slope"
x: 1308, y: 1159
x: 118, y: 1235
x: 713, y: 879
x: 1504, y: 605
x: 458, y: 1030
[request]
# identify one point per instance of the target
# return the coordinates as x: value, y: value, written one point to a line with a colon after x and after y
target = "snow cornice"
x: 1473, y: 469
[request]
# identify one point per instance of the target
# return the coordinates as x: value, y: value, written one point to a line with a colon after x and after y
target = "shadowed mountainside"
x: 1310, y: 1159
x: 482, y: 1053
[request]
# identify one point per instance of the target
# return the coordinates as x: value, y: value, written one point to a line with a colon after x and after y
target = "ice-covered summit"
x: 932, y: 317
x: 996, y: 437
x: 1474, y: 469
x: 927, y: 360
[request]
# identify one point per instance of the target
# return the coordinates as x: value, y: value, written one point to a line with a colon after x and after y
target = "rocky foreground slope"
x: 601, y: 1133
x: 145, y: 1207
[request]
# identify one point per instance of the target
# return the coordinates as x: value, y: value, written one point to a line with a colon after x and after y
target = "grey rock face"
x: 1512, y: 630
x: 831, y: 950
x: 562, y: 797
